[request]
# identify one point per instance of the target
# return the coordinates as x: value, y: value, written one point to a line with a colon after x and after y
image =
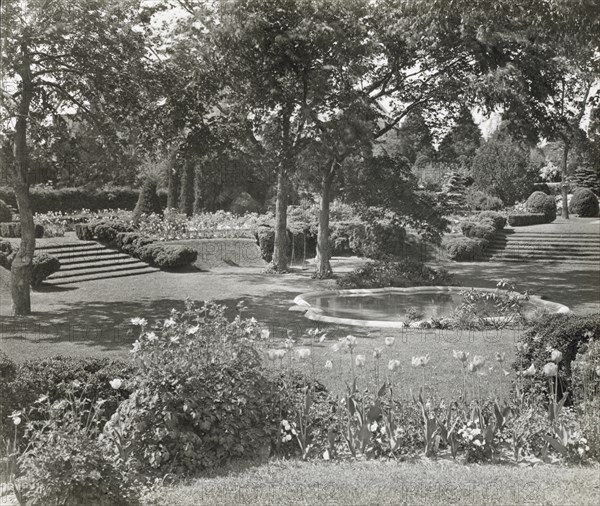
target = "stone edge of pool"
x: 316, y: 314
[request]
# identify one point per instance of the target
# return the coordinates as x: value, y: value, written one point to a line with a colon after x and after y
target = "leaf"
x: 382, y: 390
x: 557, y: 445
x: 374, y: 413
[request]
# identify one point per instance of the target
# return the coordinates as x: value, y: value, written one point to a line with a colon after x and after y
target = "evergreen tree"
x: 461, y: 142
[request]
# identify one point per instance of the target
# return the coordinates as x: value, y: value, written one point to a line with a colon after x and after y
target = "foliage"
x: 498, y: 219
x: 43, y: 266
x: 526, y: 219
x: 502, y: 168
x: 5, y: 212
x: 587, y: 177
x: 478, y: 230
x: 465, y: 249
x: 478, y: 200
x: 66, y: 460
x: 148, y: 202
x: 201, y: 396
x: 584, y: 203
x: 13, y: 229
x: 586, y: 374
x: 460, y: 144
x: 566, y: 333
x: 539, y: 202
x: 21, y: 384
x: 403, y: 273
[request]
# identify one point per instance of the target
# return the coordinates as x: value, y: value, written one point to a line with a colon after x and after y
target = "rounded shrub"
x: 477, y: 200
x: 479, y: 230
x: 539, y: 202
x: 465, y: 249
x: 584, y: 203
x: 43, y: 266
x: 497, y: 219
x: 5, y: 212
x: 244, y: 203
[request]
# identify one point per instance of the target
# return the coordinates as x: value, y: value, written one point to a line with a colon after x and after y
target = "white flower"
x: 151, y: 336
x: 476, y: 442
x: 389, y: 341
x: 192, y: 330
x: 16, y: 420
x: 142, y: 322
x: 76, y: 384
x: 288, y: 437
x: 303, y: 353
x: 580, y: 451
x: 329, y: 364
x: 530, y: 371
x: 174, y: 339
x: 350, y: 342
x: 393, y: 364
x: 460, y: 355
x: 500, y: 357
x: 556, y: 356
x: 169, y: 323
x: 373, y: 427
x: 326, y: 455
x: 272, y: 354
x: 550, y: 369
x: 360, y: 360
x: 322, y: 338
x: 116, y: 383
x: 41, y: 399
x: 420, y: 361
x: 265, y: 333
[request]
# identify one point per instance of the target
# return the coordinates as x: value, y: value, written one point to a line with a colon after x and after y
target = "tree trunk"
x: 323, y: 267
x: 23, y: 261
x: 173, y: 180
x: 186, y: 198
x: 280, y: 260
x: 564, y: 185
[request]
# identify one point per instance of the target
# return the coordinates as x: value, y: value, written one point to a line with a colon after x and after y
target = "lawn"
x: 388, y: 483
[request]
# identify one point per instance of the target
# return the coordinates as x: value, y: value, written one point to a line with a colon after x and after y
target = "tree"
x: 460, y: 144
x: 412, y: 139
x: 83, y: 54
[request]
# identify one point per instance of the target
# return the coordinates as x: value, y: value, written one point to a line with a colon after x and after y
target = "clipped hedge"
x: 43, y: 266
x: 465, y: 249
x: 5, y: 212
x: 584, y: 203
x: 539, y: 202
x: 526, y: 219
x: 44, y: 200
x: 121, y: 236
x: 13, y: 229
x: 478, y: 230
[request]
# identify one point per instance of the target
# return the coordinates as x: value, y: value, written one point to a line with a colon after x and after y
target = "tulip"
x: 329, y: 364
x: 550, y: 369
x: 303, y: 353
x: 389, y: 341
x: 530, y: 371
x: 116, y: 383
x: 460, y: 355
x: 360, y: 360
x: 556, y: 356
x: 350, y: 342
x: 478, y: 361
x: 272, y: 354
x: 522, y: 347
x: 500, y: 357
x: 393, y: 364
x: 142, y: 322
x: 265, y: 333
x: 377, y: 353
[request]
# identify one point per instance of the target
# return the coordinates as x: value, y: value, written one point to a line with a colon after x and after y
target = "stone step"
x: 548, y: 251
x: 77, y: 266
x: 114, y: 256
x: 106, y: 275
x: 93, y: 269
x: 74, y: 251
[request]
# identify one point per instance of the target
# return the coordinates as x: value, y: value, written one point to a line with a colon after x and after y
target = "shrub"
x: 202, y: 397
x: 403, y: 273
x: 497, y: 219
x: 477, y: 200
x: 526, y: 219
x: 584, y: 203
x: 5, y: 254
x: 465, y: 249
x: 43, y: 266
x: 69, y: 461
x: 566, y: 333
x: 148, y: 202
x: 22, y: 384
x: 380, y: 239
x: 13, y: 229
x: 539, y: 202
x: 265, y: 239
x: 244, y: 203
x: 84, y: 232
x: 5, y: 212
x: 478, y: 230
x: 167, y: 256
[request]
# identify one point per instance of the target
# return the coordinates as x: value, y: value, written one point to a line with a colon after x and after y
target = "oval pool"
x: 389, y: 307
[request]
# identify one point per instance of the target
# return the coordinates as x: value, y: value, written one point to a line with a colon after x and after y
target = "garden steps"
x: 88, y: 260
x: 513, y: 245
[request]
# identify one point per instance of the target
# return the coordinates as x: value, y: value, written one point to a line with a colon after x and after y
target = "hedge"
x: 479, y: 230
x: 497, y: 219
x: 13, y: 229
x: 121, y: 236
x: 74, y: 199
x: 465, y: 249
x: 584, y: 203
x: 42, y: 267
x: 525, y: 219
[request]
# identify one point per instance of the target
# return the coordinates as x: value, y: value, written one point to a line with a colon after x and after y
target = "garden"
x: 299, y: 252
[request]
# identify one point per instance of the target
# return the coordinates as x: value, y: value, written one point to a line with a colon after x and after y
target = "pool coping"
x: 316, y: 314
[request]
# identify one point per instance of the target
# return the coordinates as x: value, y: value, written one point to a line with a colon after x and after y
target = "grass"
x: 429, y: 483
